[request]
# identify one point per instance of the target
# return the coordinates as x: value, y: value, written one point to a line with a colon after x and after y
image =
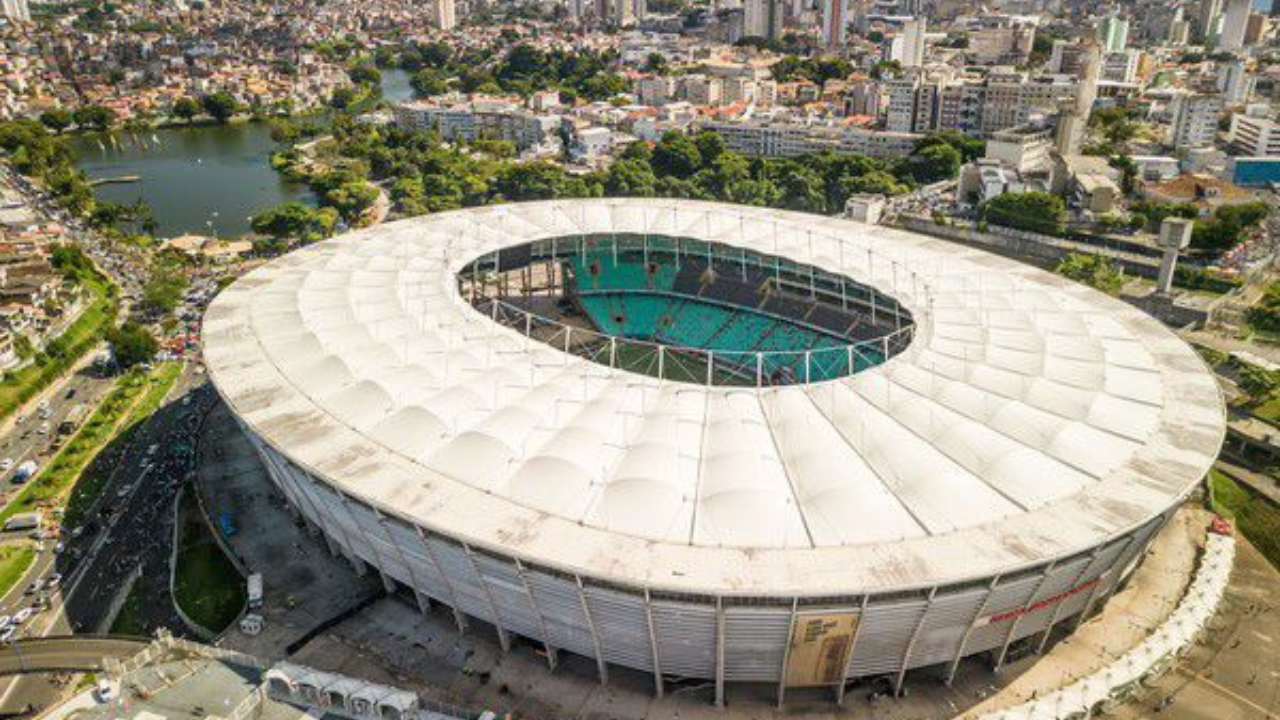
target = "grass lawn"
x: 87, y: 489
x: 1254, y: 516
x: 119, y: 410
x: 206, y: 585
x: 21, y: 385
x: 129, y: 621
x: 15, y: 558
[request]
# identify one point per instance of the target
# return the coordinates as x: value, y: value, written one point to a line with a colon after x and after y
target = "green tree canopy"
x: 1036, y: 211
x: 1096, y: 271
x: 185, y: 108
x: 131, y: 344
x: 221, y: 106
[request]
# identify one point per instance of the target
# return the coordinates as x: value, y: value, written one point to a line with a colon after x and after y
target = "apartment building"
x: 764, y: 138
x: 1251, y: 136
x: 1195, y: 120
x: 467, y: 121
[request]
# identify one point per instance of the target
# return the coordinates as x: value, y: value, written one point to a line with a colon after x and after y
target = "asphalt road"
x: 76, y: 653
x: 26, y: 442
x: 129, y: 527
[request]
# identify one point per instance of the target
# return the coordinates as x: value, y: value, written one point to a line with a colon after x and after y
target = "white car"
x: 104, y: 691
x: 7, y: 634
x: 23, y: 615
x: 6, y: 464
x: 4, y: 621
x: 53, y: 581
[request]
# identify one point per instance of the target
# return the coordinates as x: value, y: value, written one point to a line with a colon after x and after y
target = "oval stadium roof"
x: 1030, y: 418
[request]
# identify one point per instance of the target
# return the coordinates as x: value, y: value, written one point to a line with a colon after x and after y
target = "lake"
x: 207, y: 180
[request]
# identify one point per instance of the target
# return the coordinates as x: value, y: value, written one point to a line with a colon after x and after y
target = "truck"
x: 254, y: 587
x: 24, y: 472
x: 73, y: 419
x: 22, y: 521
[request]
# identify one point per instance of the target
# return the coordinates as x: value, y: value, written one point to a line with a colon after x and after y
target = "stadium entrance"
x: 688, y: 310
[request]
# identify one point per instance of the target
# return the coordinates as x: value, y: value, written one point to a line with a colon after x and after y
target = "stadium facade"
x: 713, y: 442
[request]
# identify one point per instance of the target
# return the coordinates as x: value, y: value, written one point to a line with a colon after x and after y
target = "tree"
x: 221, y: 105
x: 676, y: 155
x: 343, y: 97
x: 294, y: 220
x: 630, y: 178
x: 1257, y: 383
x: 185, y: 108
x: 1096, y: 271
x: 95, y: 117
x: 970, y: 148
x: 932, y: 164
x: 131, y: 344
x: 1227, y: 227
x: 57, y: 119
x: 365, y: 74
x: 1036, y: 211
x: 163, y: 290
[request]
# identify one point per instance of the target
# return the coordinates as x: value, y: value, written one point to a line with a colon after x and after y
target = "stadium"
x: 712, y: 443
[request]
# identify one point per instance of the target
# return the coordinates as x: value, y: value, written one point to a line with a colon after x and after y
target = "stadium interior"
x: 688, y: 310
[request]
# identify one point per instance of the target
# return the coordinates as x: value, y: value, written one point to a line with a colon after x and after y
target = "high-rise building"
x: 444, y: 14
x: 1195, y: 121
x: 1207, y: 23
x: 833, y: 23
x: 1067, y: 58
x: 1256, y: 28
x: 1234, y: 22
x: 913, y: 42
x: 16, y: 10
x: 762, y: 19
x: 1234, y: 82
x: 1073, y: 117
x: 1121, y: 66
x: 1115, y: 34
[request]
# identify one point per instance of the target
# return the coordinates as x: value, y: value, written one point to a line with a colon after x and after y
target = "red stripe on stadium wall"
x: 1040, y: 605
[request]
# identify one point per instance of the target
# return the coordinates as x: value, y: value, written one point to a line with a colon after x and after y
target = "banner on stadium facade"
x: 820, y: 646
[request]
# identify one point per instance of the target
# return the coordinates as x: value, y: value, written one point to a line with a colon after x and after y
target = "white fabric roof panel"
x: 1030, y: 417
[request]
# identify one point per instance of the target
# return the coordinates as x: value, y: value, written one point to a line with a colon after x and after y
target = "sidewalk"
x: 1129, y: 617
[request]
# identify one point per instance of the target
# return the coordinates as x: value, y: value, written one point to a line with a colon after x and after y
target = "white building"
x: 590, y: 143
x: 1234, y: 22
x: 1254, y: 136
x: 465, y: 122
x: 16, y: 10
x: 1195, y: 121
x: 913, y: 32
x: 763, y: 138
x: 1024, y: 148
x: 762, y: 19
x: 444, y: 14
x: 1121, y: 66
x: 1115, y: 34
x: 1234, y: 82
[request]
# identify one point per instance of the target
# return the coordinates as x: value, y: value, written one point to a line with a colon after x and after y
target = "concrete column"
x: 915, y: 635
x: 601, y: 666
x: 719, y: 653
x: 653, y: 645
x: 503, y: 639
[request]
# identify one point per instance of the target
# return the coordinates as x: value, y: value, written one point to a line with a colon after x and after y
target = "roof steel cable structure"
x: 994, y: 476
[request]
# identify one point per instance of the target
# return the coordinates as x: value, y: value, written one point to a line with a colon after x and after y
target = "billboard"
x: 819, y: 649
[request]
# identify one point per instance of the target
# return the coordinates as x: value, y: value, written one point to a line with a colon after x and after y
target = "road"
x: 26, y: 442
x: 64, y: 653
x: 128, y: 527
